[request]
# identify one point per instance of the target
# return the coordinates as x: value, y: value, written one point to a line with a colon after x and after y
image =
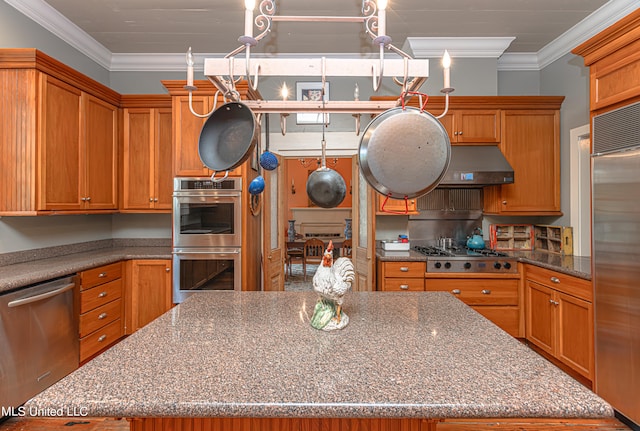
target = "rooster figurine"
x: 332, y: 280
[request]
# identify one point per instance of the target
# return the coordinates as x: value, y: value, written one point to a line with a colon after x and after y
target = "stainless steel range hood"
x: 477, y: 166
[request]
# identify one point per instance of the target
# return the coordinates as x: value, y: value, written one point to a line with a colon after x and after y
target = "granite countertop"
x: 254, y: 354
x: 38, y: 270
x: 577, y: 266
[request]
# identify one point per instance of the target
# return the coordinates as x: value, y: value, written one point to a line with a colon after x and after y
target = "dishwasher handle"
x: 40, y: 296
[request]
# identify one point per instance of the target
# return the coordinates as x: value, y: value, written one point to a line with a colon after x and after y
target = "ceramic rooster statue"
x: 332, y: 280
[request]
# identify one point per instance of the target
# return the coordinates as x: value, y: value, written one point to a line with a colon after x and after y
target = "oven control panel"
x: 505, y: 266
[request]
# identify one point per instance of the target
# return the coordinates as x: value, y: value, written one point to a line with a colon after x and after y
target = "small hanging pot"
x: 326, y: 187
x: 268, y: 160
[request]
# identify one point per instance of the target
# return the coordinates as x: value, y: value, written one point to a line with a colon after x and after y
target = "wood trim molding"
x: 145, y: 101
x: 206, y: 88
x: 486, y: 102
x: 615, y: 37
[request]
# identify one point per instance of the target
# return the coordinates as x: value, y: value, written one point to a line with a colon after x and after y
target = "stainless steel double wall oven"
x: 207, y: 236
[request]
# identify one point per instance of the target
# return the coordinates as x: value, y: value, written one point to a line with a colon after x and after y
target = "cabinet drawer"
x: 478, y: 291
x: 403, y: 284
x: 96, y: 276
x: 568, y: 284
x: 100, y: 295
x: 405, y: 269
x: 99, y: 317
x: 99, y: 340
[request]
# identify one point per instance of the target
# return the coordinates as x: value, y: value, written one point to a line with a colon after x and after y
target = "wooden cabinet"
x: 559, y: 318
x: 60, y: 138
x: 496, y: 297
x: 401, y: 276
x: 101, y: 309
x: 187, y: 126
x: 395, y: 206
x: 148, y: 291
x: 476, y: 126
x: 146, y: 155
x: 531, y: 144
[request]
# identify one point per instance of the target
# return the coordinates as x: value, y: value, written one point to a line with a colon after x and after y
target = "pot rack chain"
x: 225, y: 72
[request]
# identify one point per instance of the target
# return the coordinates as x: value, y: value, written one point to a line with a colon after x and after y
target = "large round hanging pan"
x: 228, y: 137
x: 404, y: 153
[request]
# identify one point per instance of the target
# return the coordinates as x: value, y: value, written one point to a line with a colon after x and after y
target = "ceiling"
x: 213, y: 26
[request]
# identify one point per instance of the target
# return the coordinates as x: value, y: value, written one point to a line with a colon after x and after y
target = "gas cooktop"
x: 466, y: 260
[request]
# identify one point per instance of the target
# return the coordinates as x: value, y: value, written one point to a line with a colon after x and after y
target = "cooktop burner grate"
x: 458, y: 251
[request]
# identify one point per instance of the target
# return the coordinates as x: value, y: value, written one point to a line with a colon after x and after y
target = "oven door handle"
x: 208, y: 252
x: 208, y: 195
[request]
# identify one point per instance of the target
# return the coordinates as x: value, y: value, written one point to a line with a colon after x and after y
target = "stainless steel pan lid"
x: 404, y: 153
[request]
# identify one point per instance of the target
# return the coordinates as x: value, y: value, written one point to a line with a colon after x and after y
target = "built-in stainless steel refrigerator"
x: 616, y: 257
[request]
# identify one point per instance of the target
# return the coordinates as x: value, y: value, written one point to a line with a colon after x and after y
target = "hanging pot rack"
x: 407, y: 72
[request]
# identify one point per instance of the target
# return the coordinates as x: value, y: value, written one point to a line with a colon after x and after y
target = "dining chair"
x: 345, y: 250
x: 313, y: 252
x: 294, y: 254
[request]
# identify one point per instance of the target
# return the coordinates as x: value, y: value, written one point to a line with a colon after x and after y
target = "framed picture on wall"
x: 306, y: 91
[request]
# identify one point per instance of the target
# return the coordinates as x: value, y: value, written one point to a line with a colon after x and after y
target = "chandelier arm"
x: 194, y: 112
x: 378, y: 80
x: 283, y: 123
x: 253, y: 84
x: 446, y: 105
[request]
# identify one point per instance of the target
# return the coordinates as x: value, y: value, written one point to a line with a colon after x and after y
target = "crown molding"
x: 421, y: 47
x: 458, y: 47
x: 49, y: 18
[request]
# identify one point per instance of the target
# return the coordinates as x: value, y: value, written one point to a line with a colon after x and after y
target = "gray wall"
x: 565, y: 77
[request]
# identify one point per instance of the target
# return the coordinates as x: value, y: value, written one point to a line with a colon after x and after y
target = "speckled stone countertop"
x: 254, y: 354
x: 578, y: 266
x: 37, y: 270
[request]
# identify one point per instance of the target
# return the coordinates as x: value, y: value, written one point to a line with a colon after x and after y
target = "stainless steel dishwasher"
x: 38, y: 339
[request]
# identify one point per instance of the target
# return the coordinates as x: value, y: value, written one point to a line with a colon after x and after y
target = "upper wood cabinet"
x: 531, y: 144
x: 613, y: 57
x: 146, y: 154
x: 478, y: 126
x: 187, y: 127
x: 59, y: 142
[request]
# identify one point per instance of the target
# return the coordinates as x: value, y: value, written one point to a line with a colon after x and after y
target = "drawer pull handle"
x: 404, y: 286
x: 102, y: 275
x: 486, y: 292
x: 102, y: 294
x: 456, y: 291
x: 555, y: 280
x: 102, y: 316
x: 102, y: 338
x: 404, y: 269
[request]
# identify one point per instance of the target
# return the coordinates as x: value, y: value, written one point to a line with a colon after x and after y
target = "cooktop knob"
x: 497, y: 265
x: 507, y: 265
x: 437, y: 264
x: 447, y: 265
x: 467, y: 265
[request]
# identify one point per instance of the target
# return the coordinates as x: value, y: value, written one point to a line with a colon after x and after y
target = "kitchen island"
x: 410, y: 357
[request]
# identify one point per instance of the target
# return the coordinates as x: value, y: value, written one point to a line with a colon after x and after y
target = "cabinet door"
x: 575, y: 334
x: 186, y: 129
x: 150, y: 288
x: 59, y: 145
x: 531, y: 144
x: 395, y: 206
x: 163, y: 178
x: 541, y: 316
x: 137, y: 159
x: 477, y: 126
x: 100, y: 147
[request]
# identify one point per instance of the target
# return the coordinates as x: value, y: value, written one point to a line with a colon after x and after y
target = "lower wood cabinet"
x: 148, y: 291
x: 559, y: 318
x: 101, y: 309
x: 496, y: 297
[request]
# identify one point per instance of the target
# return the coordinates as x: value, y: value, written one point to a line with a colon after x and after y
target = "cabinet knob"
x: 102, y: 316
x: 88, y: 198
x: 102, y: 275
x: 167, y: 269
x: 404, y: 269
x: 150, y: 199
x: 554, y: 302
x: 102, y: 338
x: 555, y: 280
x: 102, y: 294
x: 455, y: 133
x: 460, y: 133
x: 486, y: 292
x: 504, y: 202
x: 404, y: 286
x: 155, y: 199
x: 456, y: 291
